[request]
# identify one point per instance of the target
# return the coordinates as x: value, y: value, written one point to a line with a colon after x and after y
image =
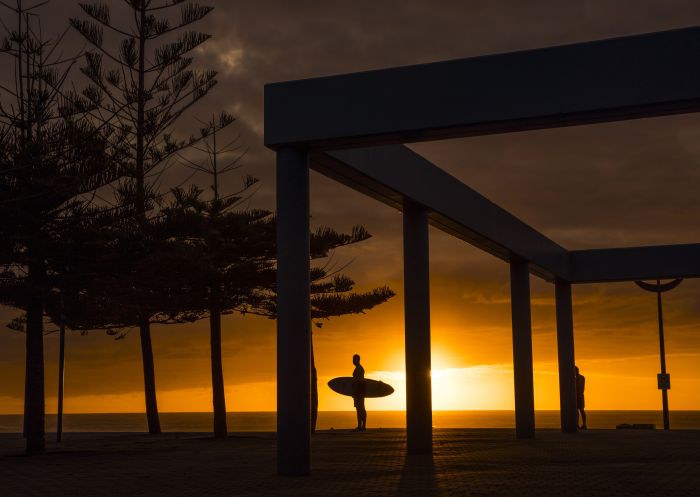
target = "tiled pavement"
x: 465, y: 463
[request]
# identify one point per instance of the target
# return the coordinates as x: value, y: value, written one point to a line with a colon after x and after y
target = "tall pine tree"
x: 51, y: 159
x: 144, y: 82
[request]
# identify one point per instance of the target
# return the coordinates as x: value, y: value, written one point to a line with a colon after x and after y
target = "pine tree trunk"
x: 314, y: 389
x: 217, y: 373
x: 61, y: 371
x: 26, y: 396
x: 34, y: 387
x: 149, y: 375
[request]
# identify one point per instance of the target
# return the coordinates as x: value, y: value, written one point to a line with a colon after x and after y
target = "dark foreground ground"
x: 465, y: 463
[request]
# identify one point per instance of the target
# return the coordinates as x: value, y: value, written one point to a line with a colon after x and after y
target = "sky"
x: 608, y: 185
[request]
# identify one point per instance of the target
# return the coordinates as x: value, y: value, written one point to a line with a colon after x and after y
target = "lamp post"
x: 663, y: 379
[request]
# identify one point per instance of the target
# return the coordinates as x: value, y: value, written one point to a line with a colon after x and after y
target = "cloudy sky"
x: 619, y: 184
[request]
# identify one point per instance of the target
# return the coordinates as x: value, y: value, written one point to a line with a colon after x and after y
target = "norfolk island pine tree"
x: 149, y: 87
x: 51, y: 159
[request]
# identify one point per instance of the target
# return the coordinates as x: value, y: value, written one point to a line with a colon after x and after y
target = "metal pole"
x: 664, y: 381
x: 419, y: 414
x: 662, y: 353
x: 293, y: 315
x: 61, y: 371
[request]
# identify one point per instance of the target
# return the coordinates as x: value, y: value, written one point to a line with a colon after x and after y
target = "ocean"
x: 265, y: 421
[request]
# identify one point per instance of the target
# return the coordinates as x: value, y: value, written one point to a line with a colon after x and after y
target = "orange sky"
x: 471, y: 354
x: 618, y: 184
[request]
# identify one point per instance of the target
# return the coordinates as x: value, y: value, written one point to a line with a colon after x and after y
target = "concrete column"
x: 522, y: 349
x: 565, y: 348
x: 419, y: 409
x: 293, y: 318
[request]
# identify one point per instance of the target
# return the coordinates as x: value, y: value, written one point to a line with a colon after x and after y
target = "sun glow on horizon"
x: 454, y: 388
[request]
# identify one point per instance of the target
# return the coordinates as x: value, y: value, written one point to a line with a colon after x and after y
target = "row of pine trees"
x: 90, y: 239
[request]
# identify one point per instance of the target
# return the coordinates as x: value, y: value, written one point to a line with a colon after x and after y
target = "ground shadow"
x: 418, y: 476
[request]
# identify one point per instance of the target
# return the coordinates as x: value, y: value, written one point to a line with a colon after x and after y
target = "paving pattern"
x: 469, y: 462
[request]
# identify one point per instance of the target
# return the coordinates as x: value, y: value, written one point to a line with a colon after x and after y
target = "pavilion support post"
x: 522, y: 349
x: 419, y: 415
x: 565, y: 349
x: 293, y: 317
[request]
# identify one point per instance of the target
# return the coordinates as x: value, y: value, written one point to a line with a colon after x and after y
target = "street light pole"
x: 663, y: 379
x: 662, y: 353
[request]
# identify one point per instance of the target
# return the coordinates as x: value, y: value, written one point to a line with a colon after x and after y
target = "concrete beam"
x: 565, y: 355
x: 635, y: 263
x: 393, y: 174
x: 293, y: 318
x: 607, y: 80
x: 419, y: 412
x: 522, y: 350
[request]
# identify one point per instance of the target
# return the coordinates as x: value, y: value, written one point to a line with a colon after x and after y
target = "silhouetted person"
x: 580, y: 399
x: 358, y: 393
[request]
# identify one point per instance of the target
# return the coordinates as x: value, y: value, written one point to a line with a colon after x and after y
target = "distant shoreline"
x: 266, y: 421
x: 348, y: 410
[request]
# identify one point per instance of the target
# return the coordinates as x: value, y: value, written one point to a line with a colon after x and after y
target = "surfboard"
x: 373, y: 388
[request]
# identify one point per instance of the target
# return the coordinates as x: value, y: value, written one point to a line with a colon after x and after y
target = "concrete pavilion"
x: 352, y: 128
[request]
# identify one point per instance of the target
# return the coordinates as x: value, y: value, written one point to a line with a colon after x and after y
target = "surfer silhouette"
x: 360, y: 388
x: 358, y: 393
x: 580, y: 399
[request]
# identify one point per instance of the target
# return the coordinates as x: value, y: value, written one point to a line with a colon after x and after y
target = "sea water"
x: 266, y: 421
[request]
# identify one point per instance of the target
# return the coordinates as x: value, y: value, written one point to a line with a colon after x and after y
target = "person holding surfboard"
x: 360, y: 388
x: 358, y: 393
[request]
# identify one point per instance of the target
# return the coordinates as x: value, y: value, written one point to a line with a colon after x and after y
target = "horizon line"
x: 353, y: 411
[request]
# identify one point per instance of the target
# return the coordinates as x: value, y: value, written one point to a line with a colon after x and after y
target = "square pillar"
x: 293, y: 315
x: 419, y: 408
x: 522, y: 349
x: 565, y: 349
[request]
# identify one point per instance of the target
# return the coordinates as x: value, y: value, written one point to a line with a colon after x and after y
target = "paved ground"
x: 465, y: 463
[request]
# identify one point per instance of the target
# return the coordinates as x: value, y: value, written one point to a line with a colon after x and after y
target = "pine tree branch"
x: 100, y: 13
